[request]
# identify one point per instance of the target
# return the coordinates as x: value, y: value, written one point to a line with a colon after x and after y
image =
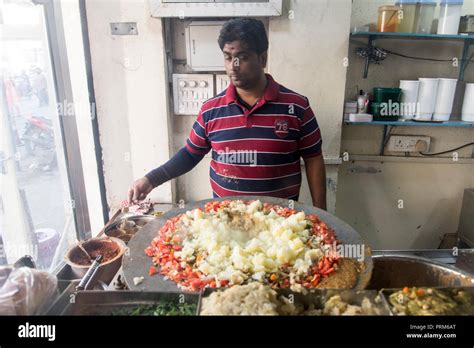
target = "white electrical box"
x: 409, y: 143
x: 215, y: 8
x: 202, y: 50
x: 190, y: 91
x: 222, y: 81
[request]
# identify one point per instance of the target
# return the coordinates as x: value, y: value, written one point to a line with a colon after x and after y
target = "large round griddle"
x: 137, y: 264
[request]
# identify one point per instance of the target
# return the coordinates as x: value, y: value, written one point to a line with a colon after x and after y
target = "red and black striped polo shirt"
x: 256, y: 151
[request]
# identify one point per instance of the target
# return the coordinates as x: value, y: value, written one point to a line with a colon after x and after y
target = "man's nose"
x: 235, y: 64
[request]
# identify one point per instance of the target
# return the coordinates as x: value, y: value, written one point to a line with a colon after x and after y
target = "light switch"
x: 190, y: 91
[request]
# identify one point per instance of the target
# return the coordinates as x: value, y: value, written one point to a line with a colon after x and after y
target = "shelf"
x: 414, y: 123
x: 388, y: 125
x: 468, y: 40
x: 413, y: 36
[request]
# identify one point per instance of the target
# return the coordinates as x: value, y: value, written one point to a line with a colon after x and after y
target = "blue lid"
x: 427, y: 2
x: 452, y: 2
x: 406, y: 2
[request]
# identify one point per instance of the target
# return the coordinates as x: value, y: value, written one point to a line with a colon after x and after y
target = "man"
x: 257, y: 130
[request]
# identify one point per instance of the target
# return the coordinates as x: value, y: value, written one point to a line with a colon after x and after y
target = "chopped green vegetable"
x: 160, y: 309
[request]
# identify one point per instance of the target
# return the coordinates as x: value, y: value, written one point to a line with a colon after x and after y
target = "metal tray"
x: 143, y: 219
x: 137, y: 263
x: 385, y: 293
x: 318, y: 297
x: 105, y: 302
x: 396, y: 270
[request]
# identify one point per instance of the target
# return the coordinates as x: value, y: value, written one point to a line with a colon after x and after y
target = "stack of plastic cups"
x: 444, y: 99
x: 468, y: 104
x: 426, y: 99
x: 409, y: 98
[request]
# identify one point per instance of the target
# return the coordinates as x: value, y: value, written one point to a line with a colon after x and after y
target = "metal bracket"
x: 367, y: 59
x: 124, y: 28
x: 465, y: 58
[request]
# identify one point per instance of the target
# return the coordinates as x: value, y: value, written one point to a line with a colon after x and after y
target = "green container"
x: 384, y: 95
x: 385, y: 111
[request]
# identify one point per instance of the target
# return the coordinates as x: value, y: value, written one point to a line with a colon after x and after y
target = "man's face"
x: 243, y: 66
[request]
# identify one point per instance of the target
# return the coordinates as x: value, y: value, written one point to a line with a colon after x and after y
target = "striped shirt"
x: 257, y: 151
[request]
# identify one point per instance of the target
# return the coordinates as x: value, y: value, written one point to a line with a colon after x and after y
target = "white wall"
x: 131, y: 94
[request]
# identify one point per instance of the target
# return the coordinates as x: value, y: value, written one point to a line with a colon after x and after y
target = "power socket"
x: 409, y: 143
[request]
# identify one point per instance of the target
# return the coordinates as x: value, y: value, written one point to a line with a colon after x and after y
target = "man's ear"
x: 263, y: 59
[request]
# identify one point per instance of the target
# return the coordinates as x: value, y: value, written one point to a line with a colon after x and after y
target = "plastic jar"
x: 407, y: 18
x: 388, y: 19
x: 425, y: 14
x: 449, y: 16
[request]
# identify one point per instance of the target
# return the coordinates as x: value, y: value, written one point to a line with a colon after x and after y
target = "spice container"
x: 424, y: 16
x: 449, y: 16
x: 388, y: 19
x: 407, y: 16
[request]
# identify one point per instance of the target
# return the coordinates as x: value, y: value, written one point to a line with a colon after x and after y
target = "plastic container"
x: 424, y: 17
x: 468, y: 104
x: 407, y: 18
x: 384, y: 94
x: 466, y: 26
x: 449, y: 16
x: 388, y: 19
x: 386, y: 111
x: 426, y: 98
x: 444, y: 99
x: 409, y: 98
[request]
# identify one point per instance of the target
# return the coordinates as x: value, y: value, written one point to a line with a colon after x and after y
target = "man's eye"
x: 228, y: 58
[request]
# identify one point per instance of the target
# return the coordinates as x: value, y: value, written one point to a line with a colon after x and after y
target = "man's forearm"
x: 182, y: 162
x: 316, y: 175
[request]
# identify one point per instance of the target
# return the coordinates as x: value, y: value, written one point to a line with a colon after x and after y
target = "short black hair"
x: 251, y: 32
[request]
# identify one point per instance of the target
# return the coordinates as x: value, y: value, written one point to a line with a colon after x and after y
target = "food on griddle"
x: 258, y: 299
x: 160, y: 309
x: 237, y: 242
x: 431, y: 301
x: 108, y: 248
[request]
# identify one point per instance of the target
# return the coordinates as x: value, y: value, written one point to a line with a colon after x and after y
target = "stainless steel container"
x: 398, y: 271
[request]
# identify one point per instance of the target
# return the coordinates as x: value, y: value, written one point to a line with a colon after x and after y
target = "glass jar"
x: 388, y: 18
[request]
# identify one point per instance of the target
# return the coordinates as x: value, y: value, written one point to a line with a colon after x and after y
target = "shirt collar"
x: 270, y: 94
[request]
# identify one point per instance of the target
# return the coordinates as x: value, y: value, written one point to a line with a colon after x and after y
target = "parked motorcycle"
x: 38, y: 139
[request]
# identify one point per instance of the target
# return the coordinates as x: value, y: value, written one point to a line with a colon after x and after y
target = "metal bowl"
x: 133, y: 225
x: 398, y: 271
x: 106, y: 271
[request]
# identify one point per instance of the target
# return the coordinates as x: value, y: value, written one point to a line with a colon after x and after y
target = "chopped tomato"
x: 152, y: 271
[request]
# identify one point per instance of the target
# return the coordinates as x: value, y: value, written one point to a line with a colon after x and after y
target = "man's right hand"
x: 139, y: 190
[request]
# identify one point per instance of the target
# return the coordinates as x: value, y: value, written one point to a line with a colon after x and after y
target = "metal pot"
x: 398, y: 271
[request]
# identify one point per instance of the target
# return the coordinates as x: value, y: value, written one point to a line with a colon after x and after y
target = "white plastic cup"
x: 409, y: 98
x: 426, y: 98
x: 468, y: 104
x: 444, y: 99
